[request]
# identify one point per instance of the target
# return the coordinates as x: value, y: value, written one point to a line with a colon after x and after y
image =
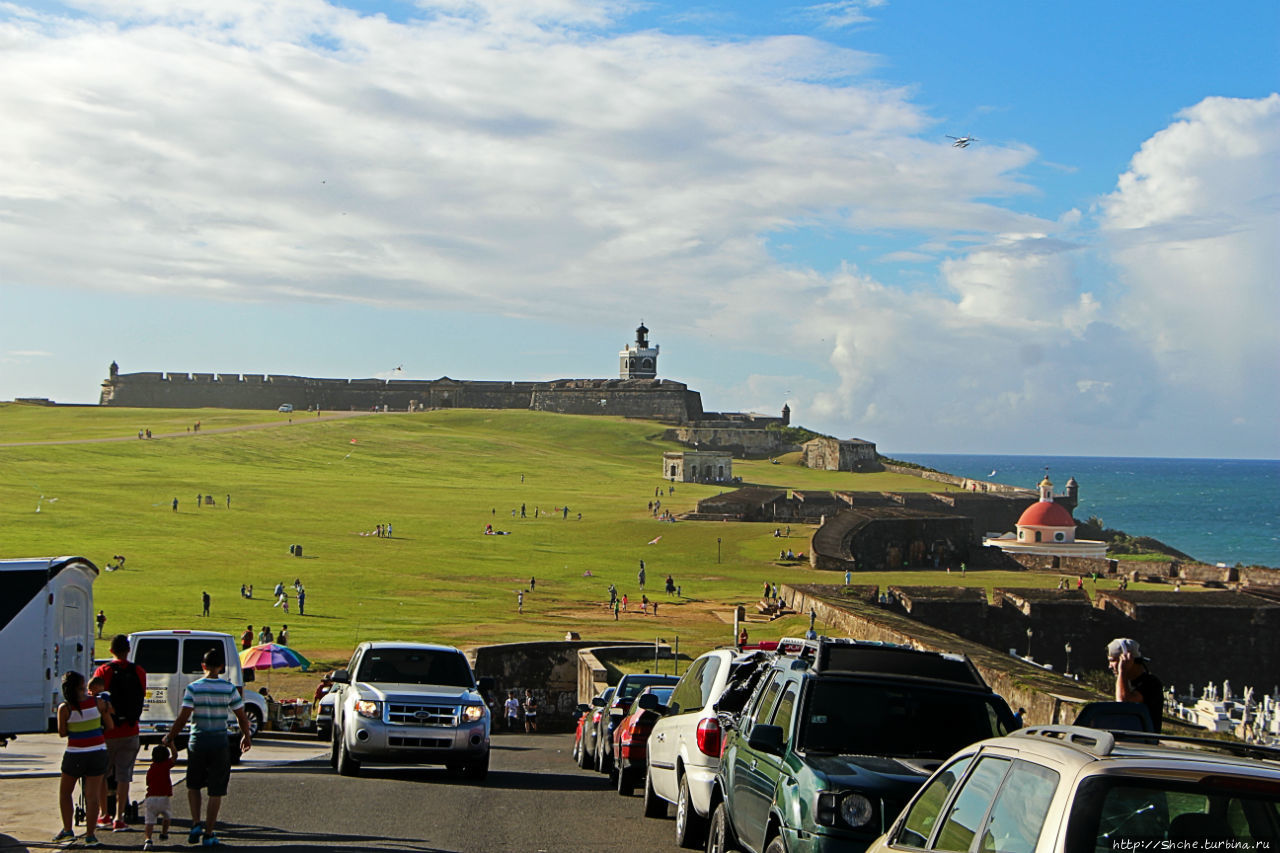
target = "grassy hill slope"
x: 438, y: 478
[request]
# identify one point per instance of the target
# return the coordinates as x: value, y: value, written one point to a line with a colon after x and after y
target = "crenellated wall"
x: 658, y: 399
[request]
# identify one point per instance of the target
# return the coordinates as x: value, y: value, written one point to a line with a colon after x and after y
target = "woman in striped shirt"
x: 80, y: 720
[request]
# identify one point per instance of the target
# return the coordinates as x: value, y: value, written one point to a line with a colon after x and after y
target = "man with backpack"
x: 127, y: 684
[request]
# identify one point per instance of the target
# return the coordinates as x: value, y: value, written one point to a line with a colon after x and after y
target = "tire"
x: 719, y: 834
x: 626, y: 784
x: 775, y: 845
x: 583, y: 758
x: 333, y: 749
x: 477, y: 770
x: 347, y: 766
x: 255, y: 719
x: 690, y: 828
x: 654, y: 806
x: 604, y: 761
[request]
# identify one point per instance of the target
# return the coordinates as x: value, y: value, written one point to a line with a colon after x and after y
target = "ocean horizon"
x: 1216, y: 510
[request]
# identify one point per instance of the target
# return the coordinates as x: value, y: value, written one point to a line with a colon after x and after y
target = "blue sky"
x: 501, y: 189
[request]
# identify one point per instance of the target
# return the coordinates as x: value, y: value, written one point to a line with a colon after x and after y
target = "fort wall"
x: 657, y: 399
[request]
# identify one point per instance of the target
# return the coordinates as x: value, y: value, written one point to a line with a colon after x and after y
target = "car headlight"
x: 852, y: 808
x: 856, y: 810
x: 472, y: 713
x: 369, y: 708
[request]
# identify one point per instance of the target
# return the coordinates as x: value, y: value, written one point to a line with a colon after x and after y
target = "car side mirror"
x: 341, y: 676
x: 649, y: 702
x: 766, y: 738
x: 485, y: 684
x: 597, y: 702
x: 583, y: 707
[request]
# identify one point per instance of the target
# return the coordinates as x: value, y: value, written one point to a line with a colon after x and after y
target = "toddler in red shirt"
x: 157, y: 806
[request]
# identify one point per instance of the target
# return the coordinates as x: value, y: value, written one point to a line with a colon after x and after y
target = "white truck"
x: 46, y: 629
x: 171, y: 659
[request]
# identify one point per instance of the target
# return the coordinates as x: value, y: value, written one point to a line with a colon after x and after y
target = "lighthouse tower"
x: 638, y: 360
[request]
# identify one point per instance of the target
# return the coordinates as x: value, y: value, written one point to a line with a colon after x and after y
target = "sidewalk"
x: 29, y: 776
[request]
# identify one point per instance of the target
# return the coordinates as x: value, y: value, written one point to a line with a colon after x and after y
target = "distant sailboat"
x: 992, y: 474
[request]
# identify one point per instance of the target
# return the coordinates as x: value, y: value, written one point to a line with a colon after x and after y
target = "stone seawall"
x: 966, y: 483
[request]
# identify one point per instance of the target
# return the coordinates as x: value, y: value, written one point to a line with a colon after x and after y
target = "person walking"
x: 520, y: 601
x: 102, y: 621
x: 81, y: 719
x: 530, y: 711
x: 127, y: 684
x: 302, y: 601
x: 228, y: 501
x: 640, y: 574
x: 1134, y: 682
x: 206, y: 702
x: 512, y: 707
x: 204, y: 601
x: 175, y: 501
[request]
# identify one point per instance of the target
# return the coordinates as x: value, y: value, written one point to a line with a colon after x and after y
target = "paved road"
x: 535, y: 799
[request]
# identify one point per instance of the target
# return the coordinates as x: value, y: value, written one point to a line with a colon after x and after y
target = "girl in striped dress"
x: 81, y: 719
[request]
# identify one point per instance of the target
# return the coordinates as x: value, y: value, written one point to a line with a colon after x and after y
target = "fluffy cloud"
x: 1192, y: 230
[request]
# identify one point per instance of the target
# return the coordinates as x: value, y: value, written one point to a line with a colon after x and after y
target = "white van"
x: 171, y: 660
x: 46, y: 626
x: 286, y: 408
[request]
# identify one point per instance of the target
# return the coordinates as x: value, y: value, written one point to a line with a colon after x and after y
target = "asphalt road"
x: 534, y: 799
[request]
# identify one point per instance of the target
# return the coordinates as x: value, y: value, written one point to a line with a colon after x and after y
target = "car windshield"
x: 663, y: 694
x: 852, y: 718
x: 415, y: 666
x: 634, y: 685
x: 1111, y: 810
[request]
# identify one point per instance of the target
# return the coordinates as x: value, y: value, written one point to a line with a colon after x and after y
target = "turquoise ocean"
x: 1216, y: 510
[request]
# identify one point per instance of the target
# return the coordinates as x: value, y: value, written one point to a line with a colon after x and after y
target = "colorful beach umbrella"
x: 272, y: 656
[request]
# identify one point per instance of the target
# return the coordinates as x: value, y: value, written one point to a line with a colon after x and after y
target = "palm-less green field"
x: 438, y: 478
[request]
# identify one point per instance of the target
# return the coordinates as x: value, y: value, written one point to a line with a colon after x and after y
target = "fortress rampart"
x: 658, y: 399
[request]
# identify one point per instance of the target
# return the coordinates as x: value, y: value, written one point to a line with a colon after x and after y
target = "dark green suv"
x: 836, y: 739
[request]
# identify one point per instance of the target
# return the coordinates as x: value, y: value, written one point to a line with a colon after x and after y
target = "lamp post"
x: 1068, y: 649
x: 717, y: 549
x: 1028, y: 643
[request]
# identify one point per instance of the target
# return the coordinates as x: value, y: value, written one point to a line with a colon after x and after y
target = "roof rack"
x: 1102, y: 742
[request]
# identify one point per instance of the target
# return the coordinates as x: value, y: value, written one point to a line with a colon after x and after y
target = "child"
x: 159, y: 790
x: 81, y: 719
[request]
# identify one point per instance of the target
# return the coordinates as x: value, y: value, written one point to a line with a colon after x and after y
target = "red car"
x: 631, y: 737
x: 584, y: 746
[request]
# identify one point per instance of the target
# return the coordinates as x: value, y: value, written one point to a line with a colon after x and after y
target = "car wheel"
x: 333, y: 750
x: 347, y: 766
x: 776, y: 845
x: 582, y: 755
x: 689, y: 827
x: 625, y: 782
x: 654, y: 806
x: 255, y: 719
x: 577, y: 749
x: 719, y: 835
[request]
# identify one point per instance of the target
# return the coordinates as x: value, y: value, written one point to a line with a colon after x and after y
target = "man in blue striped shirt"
x: 206, y: 702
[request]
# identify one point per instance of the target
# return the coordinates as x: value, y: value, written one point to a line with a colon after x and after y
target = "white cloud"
x: 1192, y: 231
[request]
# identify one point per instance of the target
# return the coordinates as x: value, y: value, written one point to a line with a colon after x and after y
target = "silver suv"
x: 1079, y: 790
x: 409, y: 703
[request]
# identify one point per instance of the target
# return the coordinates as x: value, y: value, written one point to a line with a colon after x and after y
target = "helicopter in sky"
x: 962, y: 141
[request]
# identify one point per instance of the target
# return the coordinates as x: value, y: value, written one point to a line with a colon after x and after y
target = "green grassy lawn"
x: 23, y: 422
x: 438, y: 478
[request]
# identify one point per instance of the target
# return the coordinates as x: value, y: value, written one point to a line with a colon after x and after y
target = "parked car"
x: 324, y: 715
x: 589, y: 726
x: 630, y: 755
x: 172, y: 660
x: 837, y: 738
x: 1082, y: 790
x: 409, y: 703
x: 684, y: 747
x: 624, y: 693
x: 285, y: 408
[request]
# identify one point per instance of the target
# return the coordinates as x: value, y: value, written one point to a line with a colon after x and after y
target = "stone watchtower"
x: 638, y: 360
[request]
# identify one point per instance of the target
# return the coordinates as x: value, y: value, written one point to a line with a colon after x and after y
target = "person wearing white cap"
x: 1134, y: 682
